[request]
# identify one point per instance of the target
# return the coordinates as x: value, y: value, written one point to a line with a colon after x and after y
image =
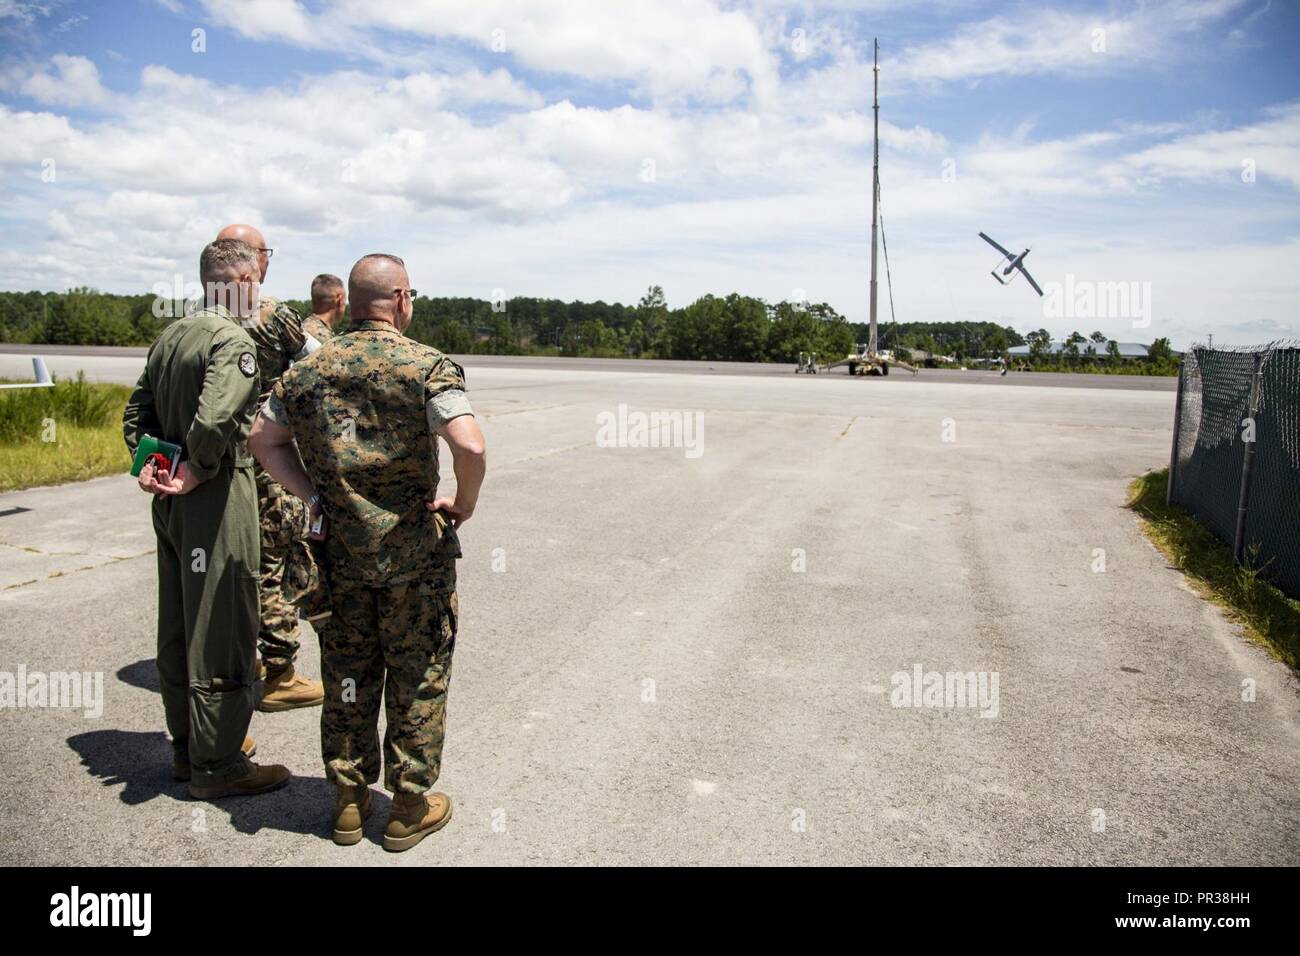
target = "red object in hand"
x: 160, y: 462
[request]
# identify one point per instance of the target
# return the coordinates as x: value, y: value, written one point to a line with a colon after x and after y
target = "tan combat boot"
x: 287, y: 690
x: 414, y: 817
x: 352, y: 809
x: 260, y: 779
x: 181, y: 763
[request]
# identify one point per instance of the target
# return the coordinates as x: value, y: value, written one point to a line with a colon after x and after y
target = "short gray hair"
x: 224, y: 259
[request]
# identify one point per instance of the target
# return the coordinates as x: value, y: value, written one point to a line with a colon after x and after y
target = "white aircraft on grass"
x: 42, y: 373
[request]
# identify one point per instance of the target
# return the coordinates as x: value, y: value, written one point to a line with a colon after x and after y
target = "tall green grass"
x: 26, y: 412
x: 1268, y: 615
x: 69, y: 432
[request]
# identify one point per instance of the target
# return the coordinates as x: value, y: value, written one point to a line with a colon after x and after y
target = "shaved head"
x: 371, y: 286
x: 251, y: 235
x: 244, y: 233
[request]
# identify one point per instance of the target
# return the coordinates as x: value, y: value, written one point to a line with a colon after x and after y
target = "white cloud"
x: 669, y: 49
x: 27, y: 138
x: 74, y: 82
x: 21, y: 12
x: 469, y: 88
x: 1044, y: 40
x: 1269, y: 149
x: 268, y: 20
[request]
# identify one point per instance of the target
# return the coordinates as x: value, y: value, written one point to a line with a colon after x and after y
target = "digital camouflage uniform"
x: 364, y: 411
x: 199, y: 389
x: 280, y: 340
x: 317, y: 329
x: 302, y: 585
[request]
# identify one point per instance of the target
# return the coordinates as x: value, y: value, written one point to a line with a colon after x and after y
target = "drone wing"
x: 42, y: 373
x: 995, y: 245
x: 1025, y: 273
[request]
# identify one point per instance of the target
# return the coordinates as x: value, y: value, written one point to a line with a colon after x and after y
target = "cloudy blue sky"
x: 588, y: 148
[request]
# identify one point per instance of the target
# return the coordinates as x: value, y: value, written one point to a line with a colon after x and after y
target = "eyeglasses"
x: 269, y: 252
x: 411, y: 292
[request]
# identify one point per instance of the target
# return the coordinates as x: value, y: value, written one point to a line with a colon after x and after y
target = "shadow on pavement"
x: 304, y: 805
x: 141, y: 763
x: 142, y: 674
x: 141, y: 760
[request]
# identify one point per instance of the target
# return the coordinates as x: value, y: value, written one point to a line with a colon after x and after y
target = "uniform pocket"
x: 447, y: 543
x: 304, y: 581
x: 442, y: 603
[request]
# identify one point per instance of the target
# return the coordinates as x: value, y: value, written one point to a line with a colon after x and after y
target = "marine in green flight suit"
x: 199, y: 389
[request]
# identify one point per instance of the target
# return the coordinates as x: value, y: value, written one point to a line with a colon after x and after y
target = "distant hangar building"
x: 1127, y: 350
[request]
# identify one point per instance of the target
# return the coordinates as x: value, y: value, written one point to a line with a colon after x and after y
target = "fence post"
x: 1178, y: 424
x: 1247, y: 465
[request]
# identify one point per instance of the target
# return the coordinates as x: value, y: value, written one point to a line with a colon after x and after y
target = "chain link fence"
x: 1235, y: 463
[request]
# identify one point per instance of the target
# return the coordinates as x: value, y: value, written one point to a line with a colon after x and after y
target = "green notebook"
x: 150, y: 446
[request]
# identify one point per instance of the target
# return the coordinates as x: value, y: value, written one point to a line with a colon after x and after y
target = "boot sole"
x: 352, y: 837
x: 398, y: 844
x: 349, y: 837
x: 185, y: 777
x: 276, y: 707
x: 217, y: 793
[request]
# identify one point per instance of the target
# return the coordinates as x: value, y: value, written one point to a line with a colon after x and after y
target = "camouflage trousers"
x: 396, y: 640
x: 283, y: 517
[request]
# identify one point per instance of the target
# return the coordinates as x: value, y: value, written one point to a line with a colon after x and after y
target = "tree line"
x: 716, y: 328
x: 712, y: 328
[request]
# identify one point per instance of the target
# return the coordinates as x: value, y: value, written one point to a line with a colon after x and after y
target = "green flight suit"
x: 200, y: 389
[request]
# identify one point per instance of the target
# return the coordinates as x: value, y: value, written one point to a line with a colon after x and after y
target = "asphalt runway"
x: 122, y: 365
x: 706, y: 652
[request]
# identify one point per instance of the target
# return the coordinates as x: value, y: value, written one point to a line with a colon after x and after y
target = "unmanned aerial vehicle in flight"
x: 1005, y: 270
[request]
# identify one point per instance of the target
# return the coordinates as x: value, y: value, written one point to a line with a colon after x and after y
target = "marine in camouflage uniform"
x: 318, y: 330
x: 302, y: 585
x: 364, y: 411
x: 280, y: 340
x: 355, y: 429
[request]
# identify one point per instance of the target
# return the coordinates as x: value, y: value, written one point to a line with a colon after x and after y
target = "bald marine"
x: 379, y: 288
x: 252, y: 236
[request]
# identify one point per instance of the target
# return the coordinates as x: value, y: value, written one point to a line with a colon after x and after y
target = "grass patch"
x: 1267, y: 615
x: 70, y: 432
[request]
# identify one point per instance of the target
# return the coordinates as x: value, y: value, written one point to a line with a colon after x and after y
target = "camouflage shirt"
x: 364, y: 409
x: 277, y: 332
x: 317, y: 329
